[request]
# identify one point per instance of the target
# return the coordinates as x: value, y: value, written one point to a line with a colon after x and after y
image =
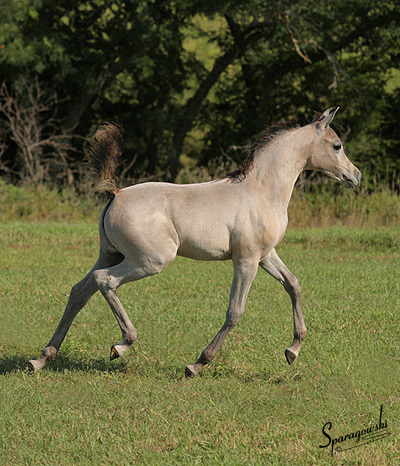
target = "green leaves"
x: 217, y: 71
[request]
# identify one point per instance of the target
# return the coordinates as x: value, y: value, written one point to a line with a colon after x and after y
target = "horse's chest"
x: 271, y: 234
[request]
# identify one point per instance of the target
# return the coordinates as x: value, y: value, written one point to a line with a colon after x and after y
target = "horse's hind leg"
x: 79, y: 296
x: 108, y: 280
x: 275, y: 267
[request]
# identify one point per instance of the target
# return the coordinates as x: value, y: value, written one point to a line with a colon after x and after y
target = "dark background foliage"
x: 191, y: 82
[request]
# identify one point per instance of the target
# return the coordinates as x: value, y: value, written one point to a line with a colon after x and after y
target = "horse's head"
x: 327, y: 153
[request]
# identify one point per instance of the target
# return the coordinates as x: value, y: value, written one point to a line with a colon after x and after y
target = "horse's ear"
x: 325, y: 119
x: 325, y: 114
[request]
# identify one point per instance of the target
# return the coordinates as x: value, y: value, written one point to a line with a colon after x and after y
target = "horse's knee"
x: 233, y: 316
x: 292, y: 286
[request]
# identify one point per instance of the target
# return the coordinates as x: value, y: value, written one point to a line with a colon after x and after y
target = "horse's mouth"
x: 348, y: 182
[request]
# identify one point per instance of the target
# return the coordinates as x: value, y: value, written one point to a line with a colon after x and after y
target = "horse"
x: 240, y: 217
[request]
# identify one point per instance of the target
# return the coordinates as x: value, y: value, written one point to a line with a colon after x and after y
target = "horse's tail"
x: 103, y: 153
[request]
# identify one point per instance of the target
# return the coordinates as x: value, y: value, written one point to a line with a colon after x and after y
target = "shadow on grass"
x: 68, y: 363
x: 10, y: 364
x: 63, y: 363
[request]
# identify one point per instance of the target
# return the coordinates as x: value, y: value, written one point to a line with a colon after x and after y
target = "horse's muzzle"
x: 353, y: 180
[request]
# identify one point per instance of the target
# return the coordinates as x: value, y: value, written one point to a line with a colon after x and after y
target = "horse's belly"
x: 205, y: 246
x: 203, y: 255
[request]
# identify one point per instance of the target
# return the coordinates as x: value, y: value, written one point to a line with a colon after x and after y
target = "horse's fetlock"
x: 301, y: 335
x: 206, y: 356
x: 49, y: 352
x: 131, y: 337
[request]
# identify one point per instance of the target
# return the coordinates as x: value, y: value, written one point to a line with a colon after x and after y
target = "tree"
x: 35, y: 129
x: 318, y: 57
x: 139, y: 63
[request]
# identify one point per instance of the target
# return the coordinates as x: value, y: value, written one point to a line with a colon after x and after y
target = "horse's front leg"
x: 244, y: 273
x: 272, y: 264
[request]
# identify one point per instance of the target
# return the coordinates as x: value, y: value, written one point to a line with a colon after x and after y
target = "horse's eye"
x: 337, y: 146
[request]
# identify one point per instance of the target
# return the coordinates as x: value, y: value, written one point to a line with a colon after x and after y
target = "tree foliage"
x: 198, y: 78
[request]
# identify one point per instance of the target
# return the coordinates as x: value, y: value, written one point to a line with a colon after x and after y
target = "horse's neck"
x: 277, y: 167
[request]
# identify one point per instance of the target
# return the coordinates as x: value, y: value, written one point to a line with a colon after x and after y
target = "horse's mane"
x: 263, y: 139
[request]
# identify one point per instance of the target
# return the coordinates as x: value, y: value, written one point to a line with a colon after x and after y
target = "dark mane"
x: 263, y: 139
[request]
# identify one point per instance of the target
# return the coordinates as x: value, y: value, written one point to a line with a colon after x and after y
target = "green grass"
x: 248, y: 406
x: 42, y: 203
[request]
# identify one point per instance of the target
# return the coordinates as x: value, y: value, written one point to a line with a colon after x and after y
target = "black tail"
x: 103, y: 153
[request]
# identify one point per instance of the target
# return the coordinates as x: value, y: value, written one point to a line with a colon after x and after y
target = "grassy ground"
x: 249, y: 406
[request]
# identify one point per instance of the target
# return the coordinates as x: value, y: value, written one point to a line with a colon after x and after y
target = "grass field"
x: 248, y: 406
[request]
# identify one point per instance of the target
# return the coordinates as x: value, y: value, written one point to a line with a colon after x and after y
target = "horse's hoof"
x: 189, y: 372
x: 290, y: 356
x: 113, y: 353
x: 34, y: 365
